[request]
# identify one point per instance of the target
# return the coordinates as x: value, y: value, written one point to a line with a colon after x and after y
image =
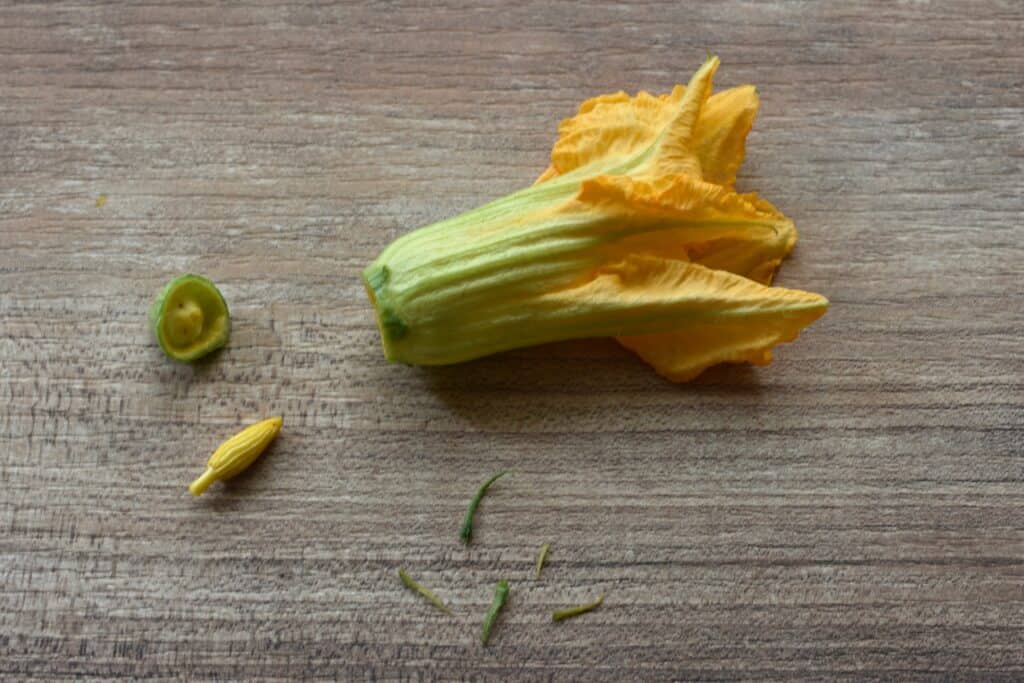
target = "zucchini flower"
x: 634, y: 231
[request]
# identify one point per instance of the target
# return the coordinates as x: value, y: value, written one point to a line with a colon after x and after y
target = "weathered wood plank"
x: 853, y: 511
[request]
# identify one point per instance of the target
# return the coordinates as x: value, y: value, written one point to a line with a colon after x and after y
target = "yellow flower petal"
x: 725, y: 318
x: 719, y: 141
x: 695, y: 221
x: 549, y: 173
x: 722, y: 131
x: 675, y: 148
x: 616, y: 125
x: 611, y: 128
x: 686, y: 317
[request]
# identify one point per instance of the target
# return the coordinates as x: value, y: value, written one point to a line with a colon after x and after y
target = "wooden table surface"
x: 855, y: 510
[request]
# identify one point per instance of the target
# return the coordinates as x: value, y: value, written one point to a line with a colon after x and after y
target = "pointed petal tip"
x: 711, y: 63
x: 817, y: 301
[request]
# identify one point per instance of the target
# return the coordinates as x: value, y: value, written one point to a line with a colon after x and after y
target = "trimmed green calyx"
x: 190, y: 318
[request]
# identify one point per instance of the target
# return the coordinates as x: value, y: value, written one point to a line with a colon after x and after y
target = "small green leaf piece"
x: 542, y: 558
x: 500, y: 596
x: 413, y: 585
x: 466, y: 533
x: 569, y: 612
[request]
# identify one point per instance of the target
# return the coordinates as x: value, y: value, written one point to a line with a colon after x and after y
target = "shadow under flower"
x: 561, y: 386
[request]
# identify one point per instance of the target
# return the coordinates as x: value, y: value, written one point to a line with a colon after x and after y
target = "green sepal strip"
x: 542, y: 558
x: 500, y: 597
x: 417, y: 587
x: 569, y: 612
x: 466, y: 533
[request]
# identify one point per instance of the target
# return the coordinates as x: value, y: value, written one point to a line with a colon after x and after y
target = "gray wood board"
x: 852, y: 511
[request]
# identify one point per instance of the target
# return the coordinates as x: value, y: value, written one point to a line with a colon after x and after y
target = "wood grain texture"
x: 854, y: 511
